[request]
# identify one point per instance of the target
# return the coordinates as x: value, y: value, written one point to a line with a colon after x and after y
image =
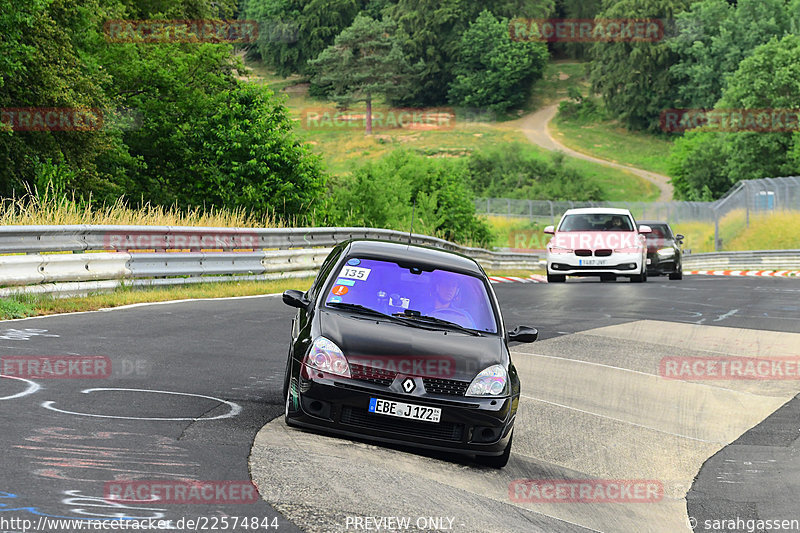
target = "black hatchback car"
x: 404, y: 344
x: 664, y: 255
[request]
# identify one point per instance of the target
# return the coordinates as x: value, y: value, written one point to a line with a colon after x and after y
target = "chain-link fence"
x: 747, y: 199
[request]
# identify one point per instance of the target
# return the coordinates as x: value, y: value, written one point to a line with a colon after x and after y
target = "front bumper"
x: 571, y: 265
x: 660, y: 265
x: 475, y: 426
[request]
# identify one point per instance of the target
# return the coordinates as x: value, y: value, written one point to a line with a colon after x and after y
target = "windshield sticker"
x: 348, y: 282
x: 357, y: 273
x: 340, y: 290
x: 354, y: 262
x: 335, y: 300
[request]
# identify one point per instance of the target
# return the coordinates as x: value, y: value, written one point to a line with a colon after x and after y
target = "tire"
x: 678, y: 274
x: 641, y: 277
x: 288, y: 396
x: 496, y: 461
x: 556, y: 278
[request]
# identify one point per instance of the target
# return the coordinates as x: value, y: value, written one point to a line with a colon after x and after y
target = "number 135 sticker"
x: 355, y: 273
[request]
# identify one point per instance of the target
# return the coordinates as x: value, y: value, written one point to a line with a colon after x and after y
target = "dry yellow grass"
x: 48, y: 209
x: 778, y: 231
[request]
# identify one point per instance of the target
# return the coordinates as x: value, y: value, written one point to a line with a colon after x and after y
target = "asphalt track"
x: 593, y: 407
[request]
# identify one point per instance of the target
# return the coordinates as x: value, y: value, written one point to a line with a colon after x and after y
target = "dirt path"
x: 535, y: 128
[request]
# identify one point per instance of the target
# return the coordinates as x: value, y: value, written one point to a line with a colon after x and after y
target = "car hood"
x: 596, y: 240
x: 373, y: 343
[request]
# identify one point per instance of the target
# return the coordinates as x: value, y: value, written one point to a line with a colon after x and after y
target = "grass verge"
x: 25, y: 305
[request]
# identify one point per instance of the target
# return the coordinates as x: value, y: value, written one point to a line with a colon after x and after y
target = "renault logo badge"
x: 408, y: 385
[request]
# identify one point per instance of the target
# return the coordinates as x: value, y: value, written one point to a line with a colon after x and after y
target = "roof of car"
x: 597, y: 211
x: 413, y: 253
x: 652, y: 222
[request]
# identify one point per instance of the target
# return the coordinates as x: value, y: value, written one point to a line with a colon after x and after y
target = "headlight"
x: 325, y: 356
x: 559, y: 251
x: 627, y: 250
x: 666, y: 252
x: 490, y: 382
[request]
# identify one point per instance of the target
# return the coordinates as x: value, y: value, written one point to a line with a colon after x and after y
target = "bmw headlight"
x: 325, y: 356
x: 666, y: 252
x: 490, y: 382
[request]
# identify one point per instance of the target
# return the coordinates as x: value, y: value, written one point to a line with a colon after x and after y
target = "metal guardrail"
x: 79, y: 259
x: 755, y: 260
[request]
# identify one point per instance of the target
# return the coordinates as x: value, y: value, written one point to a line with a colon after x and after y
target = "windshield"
x: 659, y: 232
x: 391, y: 289
x: 596, y: 222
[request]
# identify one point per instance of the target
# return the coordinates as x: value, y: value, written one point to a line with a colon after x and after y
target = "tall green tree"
x: 44, y: 67
x: 634, y: 77
x: 705, y: 164
x: 430, y: 31
x: 713, y: 37
x: 491, y: 70
x: 365, y: 61
x: 293, y: 32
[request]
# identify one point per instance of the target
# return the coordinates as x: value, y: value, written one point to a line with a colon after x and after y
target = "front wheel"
x: 641, y: 277
x: 678, y: 274
x: 496, y: 461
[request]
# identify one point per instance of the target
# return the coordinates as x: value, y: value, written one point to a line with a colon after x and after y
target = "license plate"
x: 404, y: 410
x: 593, y: 262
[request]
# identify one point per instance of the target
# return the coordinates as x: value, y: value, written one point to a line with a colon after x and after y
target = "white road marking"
x: 32, y: 387
x: 726, y: 315
x: 235, y: 408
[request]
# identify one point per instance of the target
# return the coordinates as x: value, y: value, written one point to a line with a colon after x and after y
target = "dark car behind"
x: 664, y: 254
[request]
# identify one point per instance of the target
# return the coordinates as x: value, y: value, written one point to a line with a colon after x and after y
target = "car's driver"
x: 445, y: 299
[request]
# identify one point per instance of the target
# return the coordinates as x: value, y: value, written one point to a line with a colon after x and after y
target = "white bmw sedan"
x: 597, y: 241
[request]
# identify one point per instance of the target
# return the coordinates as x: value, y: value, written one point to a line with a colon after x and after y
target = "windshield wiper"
x: 370, y: 312
x: 409, y: 314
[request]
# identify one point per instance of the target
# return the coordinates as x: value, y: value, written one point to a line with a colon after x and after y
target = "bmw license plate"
x: 404, y: 410
x: 593, y: 262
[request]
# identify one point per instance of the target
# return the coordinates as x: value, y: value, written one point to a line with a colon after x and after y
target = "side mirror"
x: 523, y: 334
x: 679, y: 238
x: 295, y: 298
x: 645, y: 229
x: 550, y: 230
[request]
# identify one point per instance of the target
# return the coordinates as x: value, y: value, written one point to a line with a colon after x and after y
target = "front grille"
x: 441, y: 430
x: 583, y: 253
x: 602, y: 253
x: 378, y: 376
x: 445, y: 386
